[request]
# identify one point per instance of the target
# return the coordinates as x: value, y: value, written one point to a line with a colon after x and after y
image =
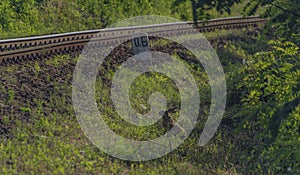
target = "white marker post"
x: 140, y: 44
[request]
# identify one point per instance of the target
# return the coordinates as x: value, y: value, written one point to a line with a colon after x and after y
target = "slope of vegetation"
x: 40, y: 133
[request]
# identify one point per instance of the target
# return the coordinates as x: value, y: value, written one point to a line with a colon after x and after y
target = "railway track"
x: 23, y: 49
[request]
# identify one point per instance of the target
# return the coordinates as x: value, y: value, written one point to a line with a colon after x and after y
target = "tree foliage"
x: 201, y: 8
x: 271, y: 102
x: 284, y: 16
x: 19, y: 18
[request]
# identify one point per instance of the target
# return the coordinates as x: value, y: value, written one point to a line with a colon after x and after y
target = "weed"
x: 11, y: 95
x: 37, y: 69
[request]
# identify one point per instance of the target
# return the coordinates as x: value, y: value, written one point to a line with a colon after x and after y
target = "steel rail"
x: 22, y: 49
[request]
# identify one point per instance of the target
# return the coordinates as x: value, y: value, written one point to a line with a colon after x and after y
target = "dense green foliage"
x: 202, y: 8
x: 270, y: 105
x: 37, y: 17
x: 20, y: 18
x: 269, y: 87
x: 284, y: 15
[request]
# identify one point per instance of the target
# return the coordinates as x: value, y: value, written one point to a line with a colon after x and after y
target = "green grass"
x: 43, y: 135
x: 47, y: 18
x: 52, y: 142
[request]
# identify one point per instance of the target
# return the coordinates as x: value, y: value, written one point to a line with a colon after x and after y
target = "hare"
x: 168, y: 123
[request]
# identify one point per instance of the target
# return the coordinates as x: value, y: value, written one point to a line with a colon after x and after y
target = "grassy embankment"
x: 40, y: 133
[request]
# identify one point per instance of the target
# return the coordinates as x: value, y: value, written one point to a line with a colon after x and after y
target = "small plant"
x: 11, y: 95
x: 37, y: 69
x: 25, y: 109
x: 5, y: 120
x: 48, y: 78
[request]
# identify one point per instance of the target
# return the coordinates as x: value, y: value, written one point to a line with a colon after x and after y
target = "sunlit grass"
x: 44, y: 136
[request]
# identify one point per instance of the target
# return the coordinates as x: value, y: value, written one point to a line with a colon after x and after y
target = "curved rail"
x: 22, y: 49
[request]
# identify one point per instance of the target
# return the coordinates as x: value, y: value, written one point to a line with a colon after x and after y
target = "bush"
x: 270, y: 104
